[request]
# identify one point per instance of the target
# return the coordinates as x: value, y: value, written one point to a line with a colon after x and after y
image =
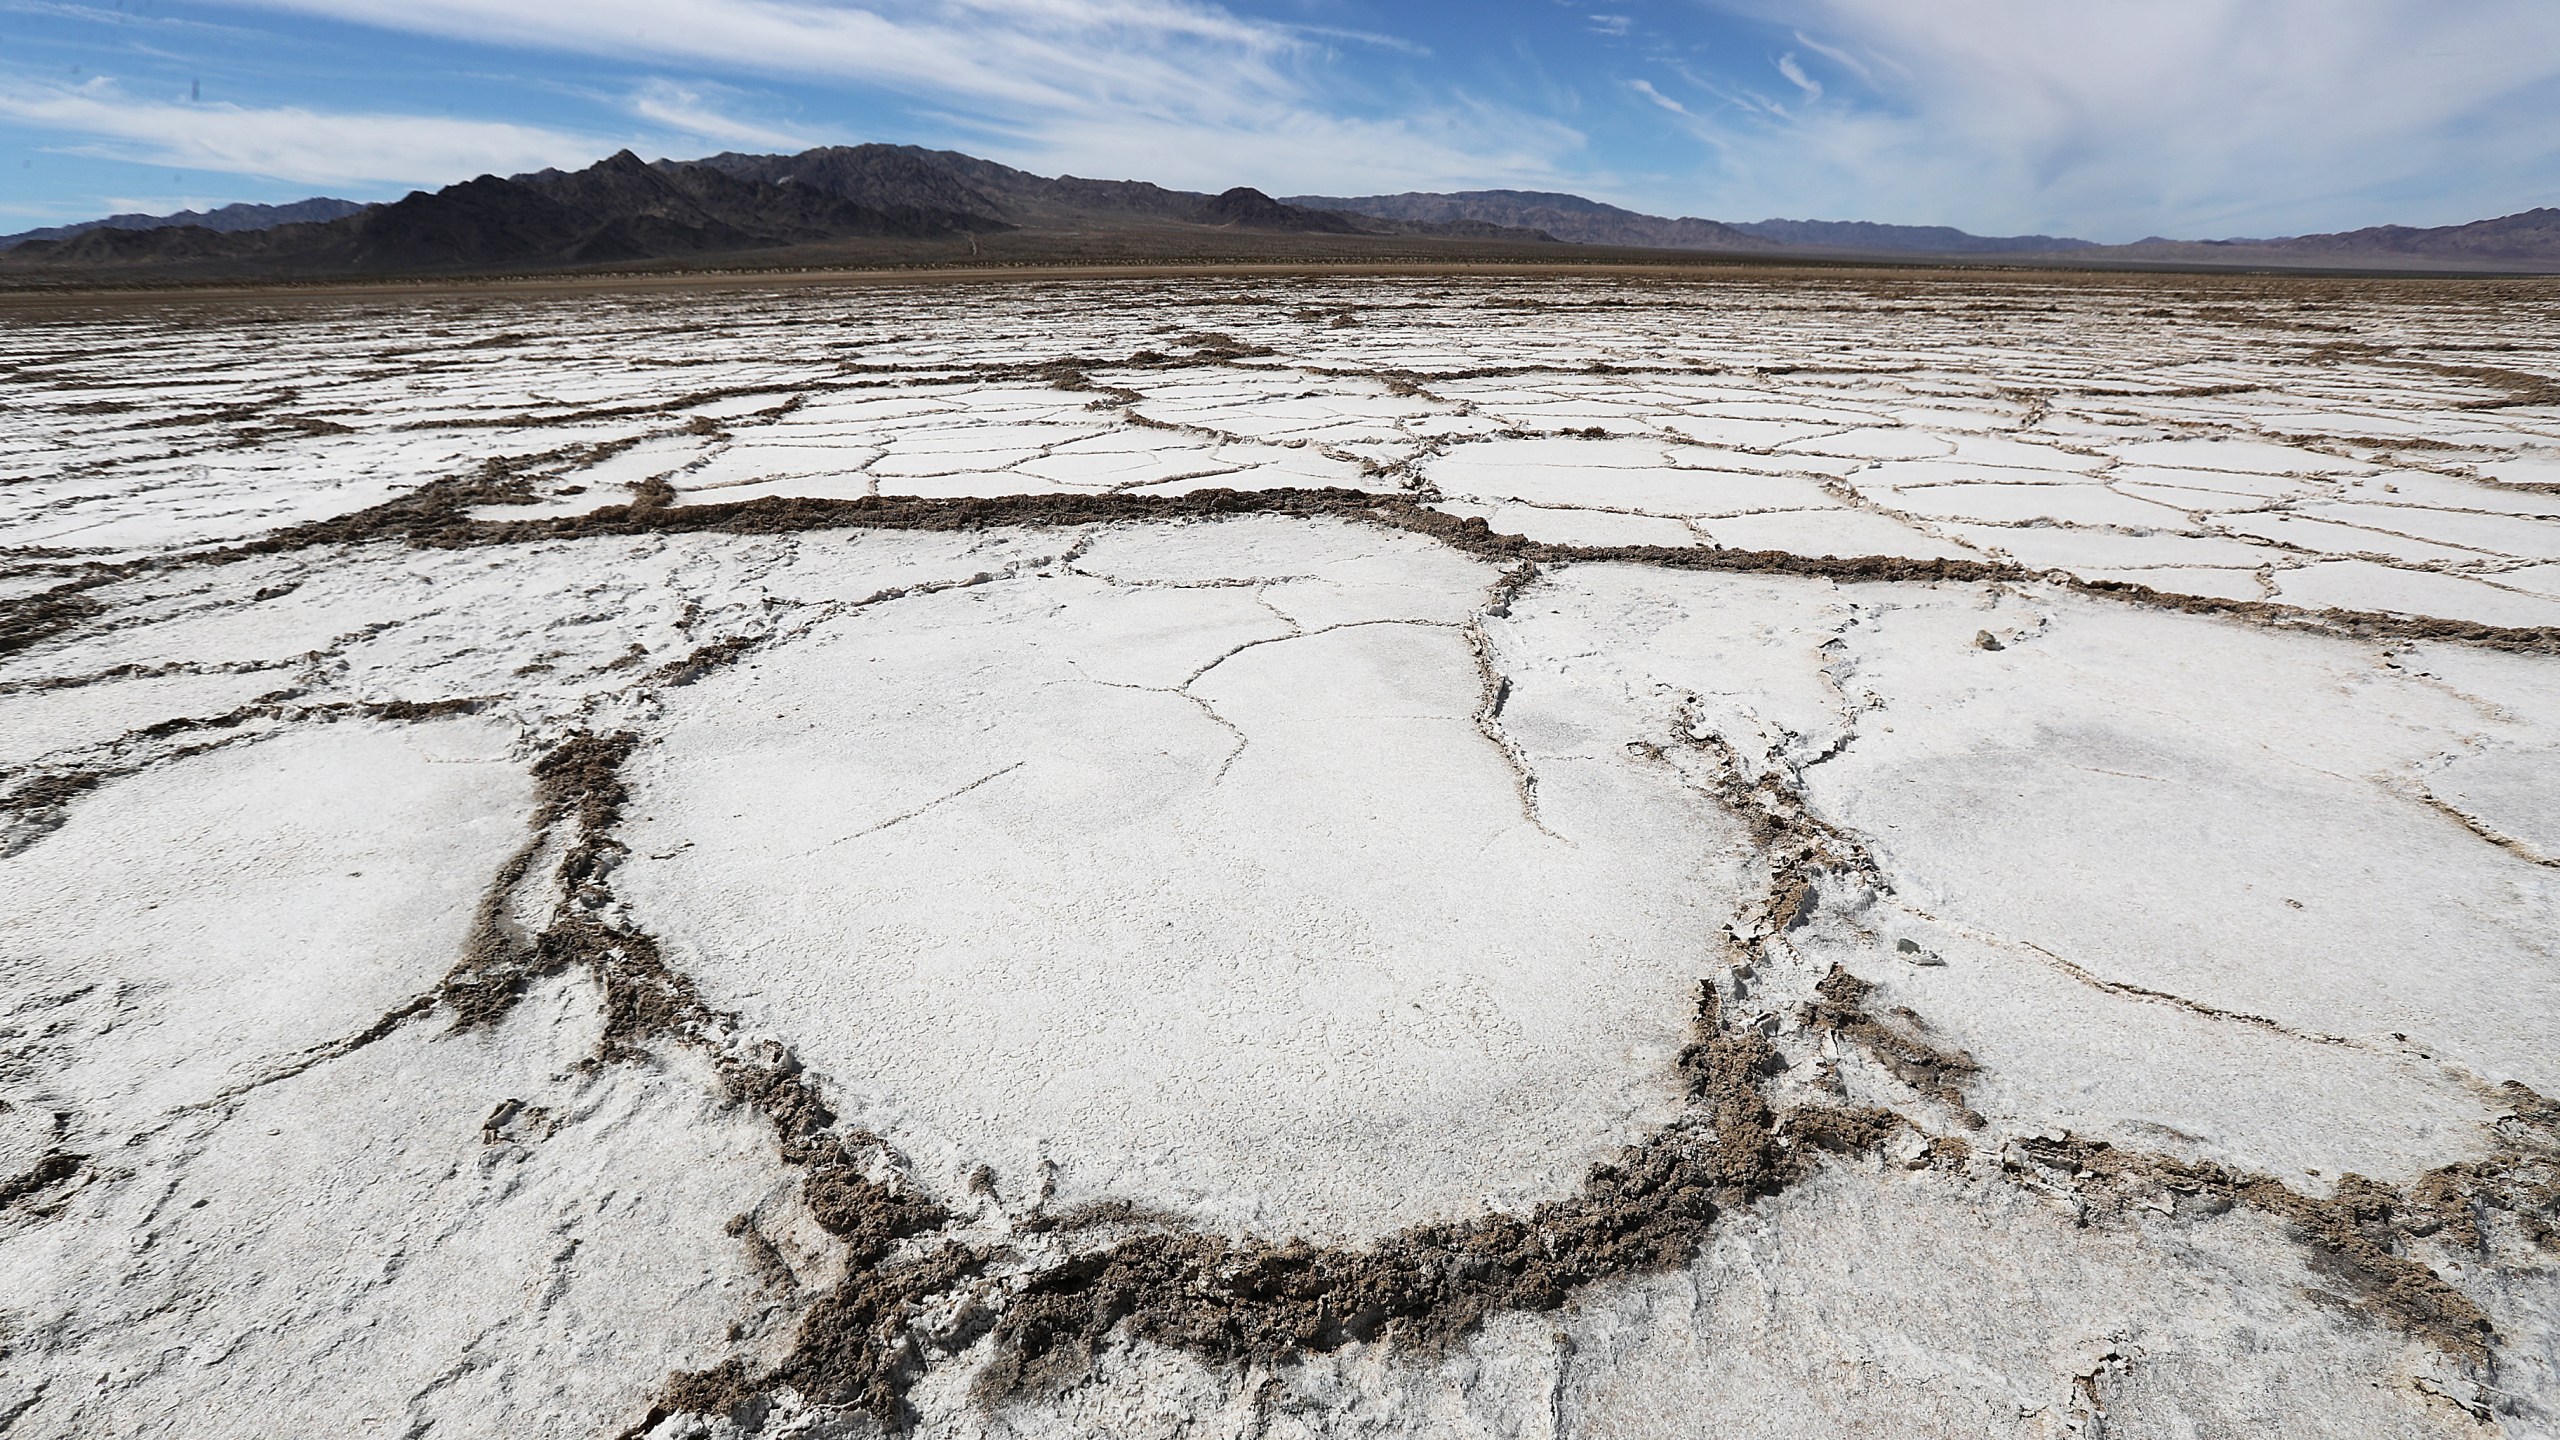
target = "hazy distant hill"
x: 2527, y: 241
x: 226, y: 220
x: 1589, y: 222
x: 1928, y: 239
x: 2530, y: 235
x: 1566, y: 217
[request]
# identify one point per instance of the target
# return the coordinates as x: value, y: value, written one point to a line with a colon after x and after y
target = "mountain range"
x: 839, y: 204
x: 2529, y: 239
x: 894, y: 204
x: 225, y: 220
x: 1590, y: 222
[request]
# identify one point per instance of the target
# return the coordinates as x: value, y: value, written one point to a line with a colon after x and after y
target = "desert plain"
x: 1758, y: 854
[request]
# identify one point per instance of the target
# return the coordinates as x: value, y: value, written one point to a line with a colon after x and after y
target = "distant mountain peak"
x: 1250, y: 208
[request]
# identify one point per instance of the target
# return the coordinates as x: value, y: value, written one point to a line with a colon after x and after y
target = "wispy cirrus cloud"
x: 1794, y: 72
x: 1019, y: 57
x: 1182, y: 92
x: 1645, y: 88
x: 711, y: 112
x: 288, y: 142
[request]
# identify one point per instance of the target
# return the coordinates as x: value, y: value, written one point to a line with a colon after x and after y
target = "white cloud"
x: 1309, y: 152
x: 289, y: 142
x: 1175, y: 91
x: 1837, y: 56
x: 1021, y: 56
x: 1645, y: 89
x: 1794, y: 72
x: 2124, y: 117
x: 696, y: 111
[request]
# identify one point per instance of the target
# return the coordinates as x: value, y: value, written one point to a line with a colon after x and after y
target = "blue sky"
x: 2110, y: 119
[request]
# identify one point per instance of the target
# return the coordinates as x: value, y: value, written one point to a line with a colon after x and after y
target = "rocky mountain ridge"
x: 872, y: 203
x: 624, y: 209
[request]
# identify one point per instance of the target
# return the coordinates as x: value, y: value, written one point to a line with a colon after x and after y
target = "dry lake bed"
x: 1782, y: 855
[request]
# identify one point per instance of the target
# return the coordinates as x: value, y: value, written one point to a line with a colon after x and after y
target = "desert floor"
x: 1508, y: 855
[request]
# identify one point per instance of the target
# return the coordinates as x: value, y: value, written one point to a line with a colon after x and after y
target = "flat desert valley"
x: 1766, y: 854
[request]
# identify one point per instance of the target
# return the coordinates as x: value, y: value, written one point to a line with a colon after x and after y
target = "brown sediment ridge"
x: 55, y: 1167
x: 1940, y: 1072
x: 31, y: 619
x: 2366, y: 1232
x: 655, y: 515
x: 1469, y: 534
x: 1805, y: 852
x: 1236, y: 1301
x: 437, y: 516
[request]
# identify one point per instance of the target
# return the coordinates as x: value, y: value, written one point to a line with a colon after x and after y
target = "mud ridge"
x: 438, y: 516
x: 1937, y: 1071
x: 56, y: 1167
x: 1494, y: 687
x: 1239, y: 1302
x: 1471, y: 535
x: 854, y: 1342
x: 30, y: 619
x: 2365, y: 1234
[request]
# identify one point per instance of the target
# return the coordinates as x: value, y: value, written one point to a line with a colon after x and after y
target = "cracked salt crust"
x: 900, y: 414
x: 2038, y: 889
x: 1289, y: 874
x: 361, y: 1250
x: 199, y: 927
x: 1160, y: 892
x: 2250, y: 859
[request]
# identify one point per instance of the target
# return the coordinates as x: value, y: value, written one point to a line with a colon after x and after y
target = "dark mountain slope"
x: 893, y: 175
x: 1250, y: 209
x: 885, y: 176
x: 620, y: 209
